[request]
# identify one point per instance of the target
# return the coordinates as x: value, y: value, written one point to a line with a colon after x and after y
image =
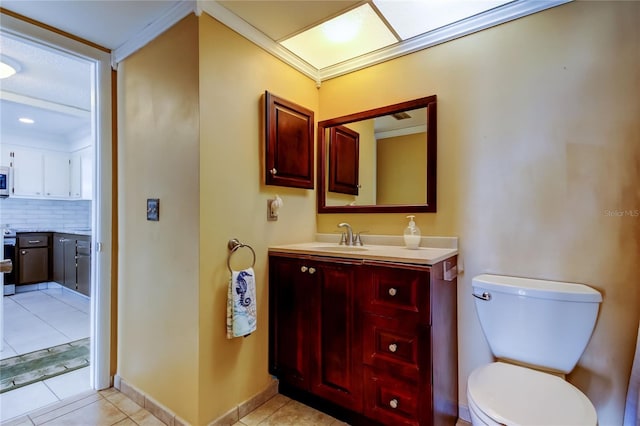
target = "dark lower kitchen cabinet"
x: 72, y: 262
x: 367, y: 341
x: 33, y: 258
x: 83, y: 266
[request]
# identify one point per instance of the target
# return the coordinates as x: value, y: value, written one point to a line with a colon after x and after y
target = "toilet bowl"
x: 505, y: 394
x: 540, y: 326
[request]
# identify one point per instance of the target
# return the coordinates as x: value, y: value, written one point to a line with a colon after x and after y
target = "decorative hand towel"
x: 241, y: 304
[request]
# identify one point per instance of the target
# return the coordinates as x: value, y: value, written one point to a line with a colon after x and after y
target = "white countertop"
x: 388, y: 253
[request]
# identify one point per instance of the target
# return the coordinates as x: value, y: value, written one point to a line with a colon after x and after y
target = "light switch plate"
x: 153, y: 209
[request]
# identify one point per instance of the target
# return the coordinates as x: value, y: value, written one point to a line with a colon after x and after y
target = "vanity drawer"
x: 398, y: 292
x: 390, y: 401
x: 393, y: 344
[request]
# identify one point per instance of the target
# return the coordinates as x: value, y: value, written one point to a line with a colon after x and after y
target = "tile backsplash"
x: 27, y: 214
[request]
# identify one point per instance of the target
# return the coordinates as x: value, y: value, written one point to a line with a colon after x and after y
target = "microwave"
x: 5, y: 181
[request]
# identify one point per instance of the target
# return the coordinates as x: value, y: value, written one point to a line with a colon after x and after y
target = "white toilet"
x: 531, y: 326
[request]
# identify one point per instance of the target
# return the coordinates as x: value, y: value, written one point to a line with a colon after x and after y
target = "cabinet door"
x: 344, y: 160
x: 28, y: 173
x: 75, y: 176
x: 289, y: 143
x: 33, y: 265
x: 289, y: 303
x: 56, y: 175
x: 81, y: 174
x: 69, y: 263
x: 58, y: 258
x: 337, y: 353
x: 83, y: 262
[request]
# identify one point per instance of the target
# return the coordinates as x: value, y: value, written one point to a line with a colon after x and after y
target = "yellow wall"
x: 158, y: 292
x: 402, y: 169
x: 538, y: 148
x: 234, y: 73
x: 538, y: 143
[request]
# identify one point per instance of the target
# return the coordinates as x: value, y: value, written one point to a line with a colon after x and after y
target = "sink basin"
x: 341, y: 248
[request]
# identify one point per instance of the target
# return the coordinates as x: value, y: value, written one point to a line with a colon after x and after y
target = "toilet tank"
x: 545, y: 324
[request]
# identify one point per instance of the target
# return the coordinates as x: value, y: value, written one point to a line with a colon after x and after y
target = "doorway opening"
x: 57, y: 218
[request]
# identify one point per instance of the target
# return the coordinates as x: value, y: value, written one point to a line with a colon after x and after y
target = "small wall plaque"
x: 153, y: 209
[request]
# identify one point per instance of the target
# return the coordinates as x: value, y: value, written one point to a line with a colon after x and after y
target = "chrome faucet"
x: 349, y: 235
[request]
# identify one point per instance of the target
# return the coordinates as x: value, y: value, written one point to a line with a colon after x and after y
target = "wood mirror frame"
x: 430, y: 104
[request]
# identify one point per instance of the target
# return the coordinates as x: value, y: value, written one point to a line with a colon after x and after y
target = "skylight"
x: 346, y: 36
x: 363, y: 30
x: 410, y: 18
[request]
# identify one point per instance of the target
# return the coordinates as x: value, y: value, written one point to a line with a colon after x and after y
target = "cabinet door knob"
x: 273, y: 171
x: 393, y: 291
x: 304, y: 269
x: 23, y: 252
x: 393, y: 403
x: 393, y: 347
x: 312, y: 271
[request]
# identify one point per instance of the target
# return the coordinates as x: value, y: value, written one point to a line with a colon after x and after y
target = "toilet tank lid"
x: 541, y: 289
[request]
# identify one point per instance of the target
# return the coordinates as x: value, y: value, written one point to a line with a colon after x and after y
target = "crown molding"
x: 490, y: 18
x: 242, y: 27
x: 509, y: 12
x: 153, y: 30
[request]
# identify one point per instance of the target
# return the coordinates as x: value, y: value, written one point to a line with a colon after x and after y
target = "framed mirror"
x: 379, y: 161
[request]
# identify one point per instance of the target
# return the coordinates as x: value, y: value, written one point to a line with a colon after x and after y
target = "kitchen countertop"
x: 84, y: 232
x: 389, y: 253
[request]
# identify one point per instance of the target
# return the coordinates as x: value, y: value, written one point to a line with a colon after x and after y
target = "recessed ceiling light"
x: 8, y: 67
x: 26, y: 120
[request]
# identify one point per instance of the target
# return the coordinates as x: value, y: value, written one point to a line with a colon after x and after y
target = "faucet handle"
x: 343, y: 239
x: 357, y: 240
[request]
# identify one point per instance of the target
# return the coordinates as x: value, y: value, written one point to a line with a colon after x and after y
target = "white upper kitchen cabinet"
x: 82, y: 174
x: 56, y: 175
x: 28, y: 172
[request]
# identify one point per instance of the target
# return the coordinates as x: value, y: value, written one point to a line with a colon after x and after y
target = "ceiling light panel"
x: 344, y: 37
x: 410, y: 18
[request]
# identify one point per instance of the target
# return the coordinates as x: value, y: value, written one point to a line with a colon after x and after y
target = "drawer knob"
x: 312, y: 271
x: 393, y: 291
x: 304, y: 269
x: 393, y: 403
x: 393, y: 347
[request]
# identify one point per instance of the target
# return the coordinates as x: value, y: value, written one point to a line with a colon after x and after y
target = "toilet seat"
x: 512, y: 395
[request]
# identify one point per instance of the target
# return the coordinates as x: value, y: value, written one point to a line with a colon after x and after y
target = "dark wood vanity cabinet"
x: 314, y: 344
x: 376, y: 338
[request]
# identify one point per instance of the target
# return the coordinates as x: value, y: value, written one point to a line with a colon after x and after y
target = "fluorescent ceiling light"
x: 26, y: 120
x: 344, y: 37
x: 410, y: 18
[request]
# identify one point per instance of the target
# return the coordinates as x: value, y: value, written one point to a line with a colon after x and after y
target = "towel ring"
x: 235, y: 245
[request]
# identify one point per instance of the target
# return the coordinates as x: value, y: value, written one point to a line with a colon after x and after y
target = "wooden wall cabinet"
x: 344, y: 160
x: 289, y: 143
x: 374, y: 342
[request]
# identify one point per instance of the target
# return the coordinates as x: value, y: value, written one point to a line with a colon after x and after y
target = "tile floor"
x: 43, y: 318
x: 36, y: 320
x: 110, y: 407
